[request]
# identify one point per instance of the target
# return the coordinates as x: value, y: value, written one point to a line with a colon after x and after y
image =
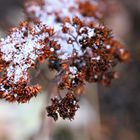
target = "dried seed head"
x: 48, y: 13
x: 78, y: 47
x: 19, y: 51
x: 65, y: 107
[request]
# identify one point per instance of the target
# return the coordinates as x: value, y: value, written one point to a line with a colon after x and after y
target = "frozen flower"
x: 19, y: 52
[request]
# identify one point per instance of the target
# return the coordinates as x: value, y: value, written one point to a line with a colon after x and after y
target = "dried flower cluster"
x: 56, y: 11
x: 90, y: 55
x: 19, y: 52
x: 65, y: 107
x: 75, y: 43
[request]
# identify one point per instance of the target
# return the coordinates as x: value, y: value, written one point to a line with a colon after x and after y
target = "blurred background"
x: 111, y: 113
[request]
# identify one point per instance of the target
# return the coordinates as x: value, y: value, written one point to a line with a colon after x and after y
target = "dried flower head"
x: 88, y: 53
x: 19, y: 52
x: 47, y: 12
x: 78, y: 47
x: 66, y: 107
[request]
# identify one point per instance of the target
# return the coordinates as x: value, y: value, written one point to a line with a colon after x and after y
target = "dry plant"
x: 71, y: 37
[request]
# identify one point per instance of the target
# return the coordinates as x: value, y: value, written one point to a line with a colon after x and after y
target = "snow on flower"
x: 19, y: 52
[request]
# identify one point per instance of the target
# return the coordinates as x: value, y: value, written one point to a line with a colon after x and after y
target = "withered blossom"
x: 19, y: 52
x: 88, y: 50
x: 88, y: 53
x: 69, y: 34
x: 52, y: 12
x: 66, y: 107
